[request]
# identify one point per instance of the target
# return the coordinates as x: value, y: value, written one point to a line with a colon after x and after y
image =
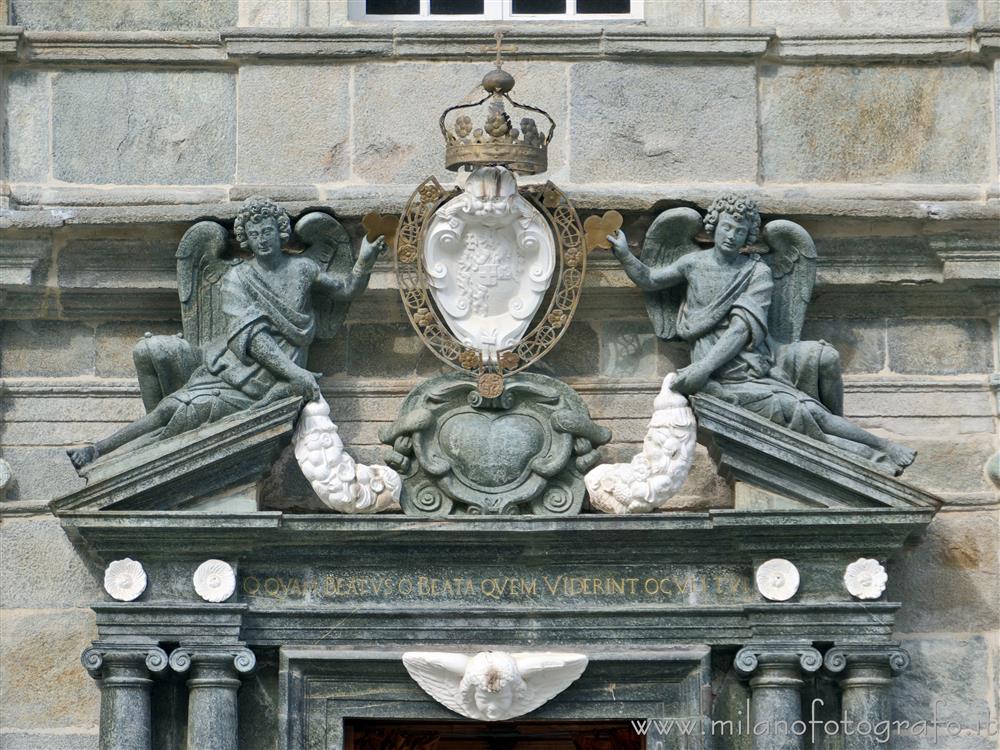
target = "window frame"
x: 495, y: 10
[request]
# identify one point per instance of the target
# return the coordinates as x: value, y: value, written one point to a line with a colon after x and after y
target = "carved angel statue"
x: 248, y: 322
x: 742, y: 313
x: 493, y: 685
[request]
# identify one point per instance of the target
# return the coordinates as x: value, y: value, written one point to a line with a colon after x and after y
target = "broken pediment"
x: 214, y: 467
x: 750, y: 449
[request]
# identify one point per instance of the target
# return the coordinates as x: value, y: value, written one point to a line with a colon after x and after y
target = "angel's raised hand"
x: 370, y: 250
x: 619, y: 243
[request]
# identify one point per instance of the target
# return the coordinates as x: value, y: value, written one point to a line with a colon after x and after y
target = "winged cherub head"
x: 734, y: 221
x: 262, y: 227
x: 492, y: 682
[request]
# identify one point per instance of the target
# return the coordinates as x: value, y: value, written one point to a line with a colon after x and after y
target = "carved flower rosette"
x: 125, y: 579
x: 777, y: 580
x: 865, y: 579
x: 214, y: 581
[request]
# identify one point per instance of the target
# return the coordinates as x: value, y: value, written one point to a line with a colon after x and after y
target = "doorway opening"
x: 507, y: 735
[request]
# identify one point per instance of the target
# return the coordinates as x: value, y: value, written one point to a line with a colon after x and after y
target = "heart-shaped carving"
x: 491, y: 452
x: 376, y: 225
x: 597, y: 229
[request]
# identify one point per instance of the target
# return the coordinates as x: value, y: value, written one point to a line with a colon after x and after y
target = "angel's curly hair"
x: 256, y: 208
x: 741, y: 206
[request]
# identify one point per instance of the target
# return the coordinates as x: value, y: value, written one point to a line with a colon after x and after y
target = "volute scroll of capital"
x: 242, y: 660
x: 749, y: 658
x: 839, y: 658
x: 94, y: 658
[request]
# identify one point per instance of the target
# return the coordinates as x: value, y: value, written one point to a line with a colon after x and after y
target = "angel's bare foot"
x: 80, y: 457
x: 900, y: 455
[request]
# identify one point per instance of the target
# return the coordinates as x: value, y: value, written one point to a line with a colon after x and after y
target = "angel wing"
x: 439, y: 674
x: 793, y: 266
x: 200, y: 266
x: 546, y: 675
x: 327, y: 243
x: 670, y: 236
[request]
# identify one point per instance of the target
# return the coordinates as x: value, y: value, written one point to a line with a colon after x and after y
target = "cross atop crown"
x: 500, y: 49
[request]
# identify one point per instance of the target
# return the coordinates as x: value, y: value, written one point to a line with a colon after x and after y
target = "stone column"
x: 123, y: 672
x: 865, y: 675
x: 215, y: 678
x: 775, y: 672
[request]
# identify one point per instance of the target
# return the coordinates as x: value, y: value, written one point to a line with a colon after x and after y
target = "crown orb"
x: 498, y: 81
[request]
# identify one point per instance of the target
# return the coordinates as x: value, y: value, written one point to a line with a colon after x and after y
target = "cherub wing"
x: 793, y: 266
x: 200, y: 267
x: 670, y: 236
x: 546, y: 675
x: 439, y: 674
x: 327, y: 243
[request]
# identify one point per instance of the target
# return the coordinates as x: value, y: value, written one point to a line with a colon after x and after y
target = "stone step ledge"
x: 466, y: 41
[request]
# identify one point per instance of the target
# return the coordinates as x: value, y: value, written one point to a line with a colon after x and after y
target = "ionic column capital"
x: 801, y: 656
x: 237, y: 660
x: 100, y: 658
x: 888, y: 656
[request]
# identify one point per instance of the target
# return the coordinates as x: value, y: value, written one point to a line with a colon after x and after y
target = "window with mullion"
x: 495, y: 9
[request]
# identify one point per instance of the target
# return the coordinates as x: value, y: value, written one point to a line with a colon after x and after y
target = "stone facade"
x: 872, y: 124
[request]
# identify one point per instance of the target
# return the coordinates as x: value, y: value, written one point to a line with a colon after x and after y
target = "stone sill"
x: 44, y: 206
x: 627, y: 40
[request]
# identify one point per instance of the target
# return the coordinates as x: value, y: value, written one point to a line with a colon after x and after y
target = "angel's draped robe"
x: 778, y: 384
x: 229, y: 378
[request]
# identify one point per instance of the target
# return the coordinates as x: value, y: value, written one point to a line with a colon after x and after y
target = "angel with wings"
x: 493, y: 685
x: 248, y: 323
x: 742, y: 312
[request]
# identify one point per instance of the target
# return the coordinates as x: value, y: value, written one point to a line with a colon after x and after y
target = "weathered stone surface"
x: 329, y: 357
x: 950, y: 575
x: 577, y: 353
x: 41, y: 679
x: 628, y: 349
x: 874, y: 124
x: 673, y: 355
x: 42, y: 569
x: 46, y: 347
x: 389, y: 350
x: 17, y: 740
x: 26, y: 126
x: 115, y: 342
x: 267, y: 13
x: 951, y: 463
x: 258, y: 702
x: 143, y: 127
x: 294, y: 124
x: 41, y: 474
x: 847, y: 15
x: 860, y: 342
x: 395, y: 134
x: 949, y: 680
x: 644, y: 123
x: 726, y: 14
x: 123, y: 15
x: 940, y: 347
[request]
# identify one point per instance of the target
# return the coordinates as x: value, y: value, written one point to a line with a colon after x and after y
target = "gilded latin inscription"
x: 673, y: 587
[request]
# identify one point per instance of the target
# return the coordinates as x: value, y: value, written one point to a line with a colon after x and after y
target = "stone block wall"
x: 874, y: 124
